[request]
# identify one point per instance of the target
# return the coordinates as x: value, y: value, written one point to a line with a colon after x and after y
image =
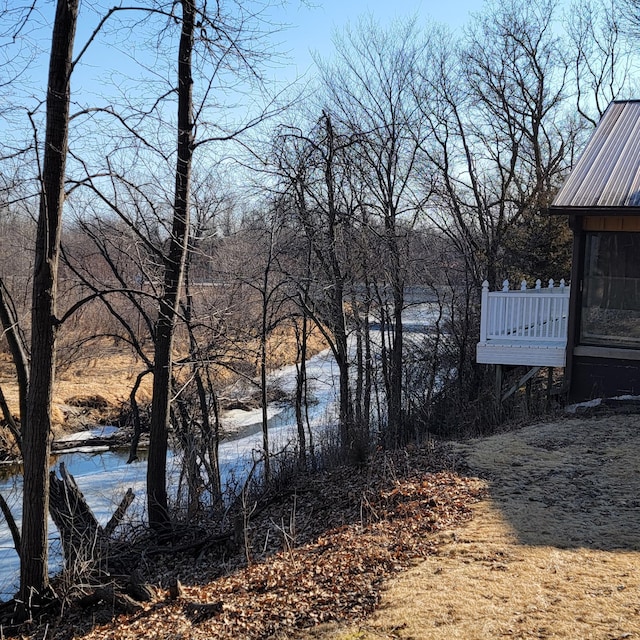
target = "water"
x: 104, y: 476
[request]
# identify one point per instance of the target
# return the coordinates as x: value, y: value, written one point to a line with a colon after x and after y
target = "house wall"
x: 603, y: 378
x: 595, y: 371
x: 611, y: 223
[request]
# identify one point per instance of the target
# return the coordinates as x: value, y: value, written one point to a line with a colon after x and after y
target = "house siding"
x: 603, y: 377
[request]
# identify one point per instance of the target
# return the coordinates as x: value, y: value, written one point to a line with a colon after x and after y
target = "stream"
x: 103, y: 475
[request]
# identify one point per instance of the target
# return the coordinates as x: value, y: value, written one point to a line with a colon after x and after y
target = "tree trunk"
x: 135, y: 416
x: 395, y: 368
x: 85, y: 544
x: 9, y: 321
x: 173, y: 273
x: 264, y: 399
x: 8, y: 418
x: 346, y: 414
x: 211, y: 433
x: 301, y: 380
x: 34, y: 579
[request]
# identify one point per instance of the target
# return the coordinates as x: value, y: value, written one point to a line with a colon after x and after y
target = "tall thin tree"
x: 173, y: 275
x: 34, y: 579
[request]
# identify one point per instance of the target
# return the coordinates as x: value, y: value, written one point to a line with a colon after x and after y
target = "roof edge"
x: 559, y: 210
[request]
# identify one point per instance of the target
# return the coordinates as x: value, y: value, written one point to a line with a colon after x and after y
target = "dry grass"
x: 109, y: 375
x: 553, y: 552
x: 109, y: 372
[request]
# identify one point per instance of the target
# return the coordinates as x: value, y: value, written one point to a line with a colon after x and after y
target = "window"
x: 611, y: 290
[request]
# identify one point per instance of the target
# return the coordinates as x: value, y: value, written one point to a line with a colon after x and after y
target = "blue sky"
x: 107, y: 69
x: 311, y: 27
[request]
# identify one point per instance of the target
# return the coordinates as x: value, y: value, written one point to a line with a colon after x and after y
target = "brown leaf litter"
x: 552, y: 550
x: 321, y: 553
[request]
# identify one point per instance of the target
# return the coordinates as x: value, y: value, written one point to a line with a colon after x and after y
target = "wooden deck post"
x: 498, y: 388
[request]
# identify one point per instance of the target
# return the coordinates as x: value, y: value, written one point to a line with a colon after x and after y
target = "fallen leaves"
x: 346, y: 532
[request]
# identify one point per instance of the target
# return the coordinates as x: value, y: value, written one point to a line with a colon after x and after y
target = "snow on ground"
x: 98, y: 432
x: 104, y: 476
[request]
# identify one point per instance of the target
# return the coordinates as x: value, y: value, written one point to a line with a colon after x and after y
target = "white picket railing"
x: 525, y: 315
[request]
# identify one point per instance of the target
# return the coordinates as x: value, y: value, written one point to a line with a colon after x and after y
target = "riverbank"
x: 103, y: 475
x: 318, y: 550
x: 93, y: 392
x: 535, y: 531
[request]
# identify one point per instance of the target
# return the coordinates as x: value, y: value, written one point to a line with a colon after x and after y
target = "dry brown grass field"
x: 108, y: 373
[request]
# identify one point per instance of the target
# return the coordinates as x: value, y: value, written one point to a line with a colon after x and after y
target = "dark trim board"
x: 603, y: 378
x: 593, y: 211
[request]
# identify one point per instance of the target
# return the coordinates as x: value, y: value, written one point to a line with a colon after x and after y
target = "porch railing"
x: 525, y: 315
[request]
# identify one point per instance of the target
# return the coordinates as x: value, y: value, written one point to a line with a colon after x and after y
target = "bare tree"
x: 34, y: 581
x: 370, y: 90
x: 601, y: 55
x: 174, y: 265
x: 199, y: 431
x: 502, y: 135
x: 222, y: 37
x: 217, y: 45
x: 18, y: 348
x: 312, y: 172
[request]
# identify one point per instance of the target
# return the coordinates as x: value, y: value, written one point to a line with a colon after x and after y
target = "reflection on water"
x: 104, y: 477
x: 7, y: 471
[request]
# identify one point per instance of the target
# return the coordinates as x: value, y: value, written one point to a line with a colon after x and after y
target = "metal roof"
x: 607, y: 175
